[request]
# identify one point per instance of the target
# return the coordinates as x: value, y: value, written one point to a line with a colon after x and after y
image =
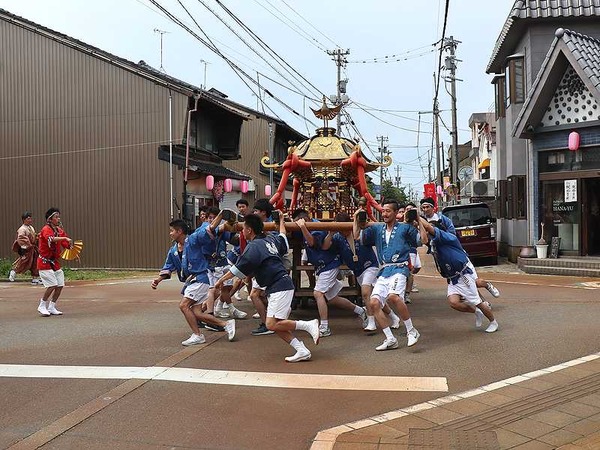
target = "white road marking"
x: 235, y: 378
x: 523, y: 283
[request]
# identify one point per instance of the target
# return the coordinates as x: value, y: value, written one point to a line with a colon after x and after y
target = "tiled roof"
x: 541, y: 9
x: 585, y: 51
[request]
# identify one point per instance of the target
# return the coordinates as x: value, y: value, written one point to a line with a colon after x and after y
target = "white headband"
x: 427, y: 203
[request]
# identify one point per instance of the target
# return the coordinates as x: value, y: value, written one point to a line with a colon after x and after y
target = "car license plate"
x: 467, y: 233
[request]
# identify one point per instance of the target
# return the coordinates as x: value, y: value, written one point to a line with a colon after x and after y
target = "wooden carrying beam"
x: 311, y: 226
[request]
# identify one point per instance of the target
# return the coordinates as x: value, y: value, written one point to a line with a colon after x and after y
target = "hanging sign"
x: 570, y: 191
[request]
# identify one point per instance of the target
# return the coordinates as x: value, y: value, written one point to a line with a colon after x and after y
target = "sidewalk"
x: 557, y: 407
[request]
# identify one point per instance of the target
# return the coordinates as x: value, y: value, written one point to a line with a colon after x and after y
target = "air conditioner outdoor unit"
x: 483, y: 188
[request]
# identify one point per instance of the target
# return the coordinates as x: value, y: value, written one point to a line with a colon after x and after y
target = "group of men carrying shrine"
x: 382, y: 258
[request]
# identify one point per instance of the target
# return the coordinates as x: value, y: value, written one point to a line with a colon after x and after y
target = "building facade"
x: 517, y: 59
x: 80, y: 129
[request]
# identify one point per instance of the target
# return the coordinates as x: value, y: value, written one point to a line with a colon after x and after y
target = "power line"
x: 389, y: 123
x: 291, y: 25
x: 263, y: 44
x: 310, y: 24
x: 256, y: 38
x: 393, y: 60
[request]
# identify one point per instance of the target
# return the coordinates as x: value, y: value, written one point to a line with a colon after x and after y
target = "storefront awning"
x: 483, y: 164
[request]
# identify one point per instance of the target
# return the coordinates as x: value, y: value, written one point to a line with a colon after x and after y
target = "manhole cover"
x: 419, y: 439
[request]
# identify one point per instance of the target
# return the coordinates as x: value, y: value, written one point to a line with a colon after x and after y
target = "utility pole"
x: 383, y: 149
x: 339, y: 57
x: 161, y: 32
x: 398, y: 177
x: 450, y: 62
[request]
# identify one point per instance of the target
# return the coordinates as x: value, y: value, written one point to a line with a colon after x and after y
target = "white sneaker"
x: 407, y: 299
x: 237, y: 314
x: 222, y: 313
x: 256, y: 316
x: 194, y: 339
x: 370, y: 327
x: 301, y: 355
x: 395, y: 323
x: 388, y: 344
x: 413, y: 337
x: 492, y: 290
x: 230, y: 329
x: 493, y: 326
x: 365, y: 319
x: 12, y: 275
x: 414, y: 289
x: 324, y: 331
x: 43, y: 310
x: 313, y: 330
x: 36, y: 281
x: 52, y: 310
x: 478, y: 317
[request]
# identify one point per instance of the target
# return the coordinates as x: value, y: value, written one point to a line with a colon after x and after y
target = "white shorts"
x: 466, y: 289
x: 255, y: 285
x: 328, y: 284
x: 197, y: 292
x: 213, y: 277
x: 385, y: 286
x: 415, y: 260
x: 279, y: 304
x: 304, y: 257
x: 368, y: 277
x: 52, y: 278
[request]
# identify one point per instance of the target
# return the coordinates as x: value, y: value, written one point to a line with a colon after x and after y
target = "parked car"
x: 475, y: 229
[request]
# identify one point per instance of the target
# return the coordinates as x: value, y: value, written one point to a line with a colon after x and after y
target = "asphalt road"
x: 543, y: 321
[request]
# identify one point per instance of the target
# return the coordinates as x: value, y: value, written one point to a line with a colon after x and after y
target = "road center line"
x: 235, y: 378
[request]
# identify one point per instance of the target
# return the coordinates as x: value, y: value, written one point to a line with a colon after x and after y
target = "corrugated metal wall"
x: 81, y: 134
x: 254, y: 143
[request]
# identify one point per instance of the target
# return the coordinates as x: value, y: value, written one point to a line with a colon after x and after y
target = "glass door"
x: 560, y: 213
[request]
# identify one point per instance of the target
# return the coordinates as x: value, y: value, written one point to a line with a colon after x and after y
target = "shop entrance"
x: 591, y: 216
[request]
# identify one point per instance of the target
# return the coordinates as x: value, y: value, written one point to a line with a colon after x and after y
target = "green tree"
x: 388, y: 190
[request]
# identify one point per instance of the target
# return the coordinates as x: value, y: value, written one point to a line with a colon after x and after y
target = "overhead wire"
x: 309, y: 24
x: 280, y: 60
x: 211, y: 46
x: 214, y: 13
x: 299, y: 31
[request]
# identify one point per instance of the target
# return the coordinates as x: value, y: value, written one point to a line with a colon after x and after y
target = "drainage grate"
x: 430, y: 439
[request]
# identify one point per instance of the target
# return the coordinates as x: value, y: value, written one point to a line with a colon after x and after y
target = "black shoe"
x: 262, y: 330
x: 214, y: 327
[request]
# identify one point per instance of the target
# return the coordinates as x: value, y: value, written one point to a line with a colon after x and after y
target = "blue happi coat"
x: 366, y: 256
x: 450, y: 258
x: 393, y: 255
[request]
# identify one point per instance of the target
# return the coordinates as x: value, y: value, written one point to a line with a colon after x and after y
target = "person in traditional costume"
x: 25, y: 245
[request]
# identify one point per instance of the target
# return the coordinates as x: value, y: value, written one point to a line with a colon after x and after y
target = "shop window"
x: 560, y: 215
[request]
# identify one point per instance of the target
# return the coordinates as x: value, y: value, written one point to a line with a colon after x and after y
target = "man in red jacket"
x: 52, y: 241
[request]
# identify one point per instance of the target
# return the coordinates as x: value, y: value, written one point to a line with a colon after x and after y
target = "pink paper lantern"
x: 244, y: 186
x: 267, y: 190
x: 440, y: 191
x: 210, y: 182
x: 228, y: 185
x: 574, y: 141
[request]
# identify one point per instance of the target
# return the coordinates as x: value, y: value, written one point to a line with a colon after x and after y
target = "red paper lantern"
x: 244, y: 186
x: 228, y: 185
x: 267, y: 190
x: 574, y: 141
x: 210, y: 182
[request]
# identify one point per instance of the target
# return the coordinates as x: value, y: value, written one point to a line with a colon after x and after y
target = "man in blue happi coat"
x: 186, y: 258
x: 262, y: 258
x: 393, y: 241
x: 453, y: 264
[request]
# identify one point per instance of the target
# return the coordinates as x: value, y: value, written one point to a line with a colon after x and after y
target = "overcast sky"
x: 300, y: 32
